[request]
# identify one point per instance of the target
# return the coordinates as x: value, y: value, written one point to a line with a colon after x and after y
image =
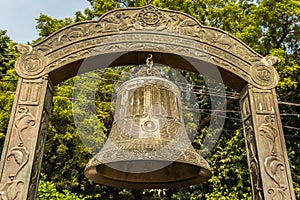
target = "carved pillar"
x: 23, y: 150
x: 267, y: 155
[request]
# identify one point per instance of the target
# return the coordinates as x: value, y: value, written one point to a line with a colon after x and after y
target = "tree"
x: 47, y: 190
x: 7, y: 81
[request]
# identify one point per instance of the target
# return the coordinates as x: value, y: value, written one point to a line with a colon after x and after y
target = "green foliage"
x: 65, y: 152
x: 4, y: 44
x: 48, y: 191
x: 8, y: 57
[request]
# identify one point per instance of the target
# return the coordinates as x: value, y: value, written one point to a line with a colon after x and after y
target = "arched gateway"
x: 126, y: 36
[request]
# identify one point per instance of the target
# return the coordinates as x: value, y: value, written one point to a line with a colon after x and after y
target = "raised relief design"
x: 147, y: 18
x: 150, y: 16
x: 11, y: 189
x: 21, y: 157
x: 270, y: 60
x: 264, y: 102
x: 224, y: 41
x: 30, y: 93
x: 246, y: 112
x: 263, y: 74
x: 273, y: 163
x: 269, y: 132
x: 30, y: 63
x: 80, y: 40
x: 22, y: 122
x: 219, y: 39
x: 115, y: 23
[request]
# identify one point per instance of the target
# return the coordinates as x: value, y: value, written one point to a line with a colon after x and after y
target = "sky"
x: 18, y: 16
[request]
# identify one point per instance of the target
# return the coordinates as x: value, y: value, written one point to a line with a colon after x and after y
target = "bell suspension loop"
x: 149, y: 62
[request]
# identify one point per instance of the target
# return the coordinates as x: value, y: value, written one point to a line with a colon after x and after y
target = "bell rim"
x: 202, y: 176
x: 199, y: 178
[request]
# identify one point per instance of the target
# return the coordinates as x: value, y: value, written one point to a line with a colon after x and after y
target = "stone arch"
x: 131, y: 30
x: 126, y: 36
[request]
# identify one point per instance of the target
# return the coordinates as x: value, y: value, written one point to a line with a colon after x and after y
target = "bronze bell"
x: 148, y: 146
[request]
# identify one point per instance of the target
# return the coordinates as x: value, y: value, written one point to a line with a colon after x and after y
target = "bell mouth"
x: 170, y: 175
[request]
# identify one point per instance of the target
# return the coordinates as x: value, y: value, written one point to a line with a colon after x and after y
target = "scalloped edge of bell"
x: 175, y: 175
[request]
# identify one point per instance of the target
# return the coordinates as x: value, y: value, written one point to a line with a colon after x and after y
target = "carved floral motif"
x: 273, y: 163
x: 22, y: 122
x: 21, y: 157
x: 10, y: 190
x: 150, y: 16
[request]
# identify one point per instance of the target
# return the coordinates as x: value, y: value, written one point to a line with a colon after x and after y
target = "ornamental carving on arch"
x: 148, y: 18
x: 263, y: 74
x: 274, y: 162
x: 18, y: 155
x: 31, y: 62
x: 146, y: 28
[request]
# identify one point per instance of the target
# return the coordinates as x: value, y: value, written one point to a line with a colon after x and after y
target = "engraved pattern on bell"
x: 147, y: 110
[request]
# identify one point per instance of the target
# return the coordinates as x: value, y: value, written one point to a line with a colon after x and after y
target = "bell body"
x: 148, y: 146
